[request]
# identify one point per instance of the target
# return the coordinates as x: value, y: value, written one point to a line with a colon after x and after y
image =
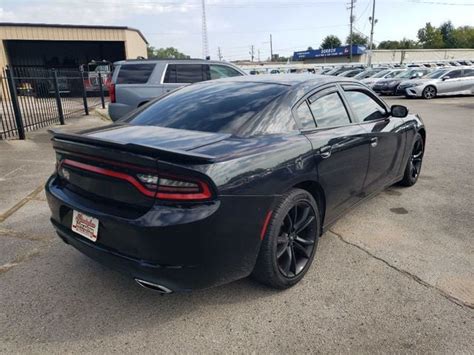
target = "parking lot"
x: 394, y: 275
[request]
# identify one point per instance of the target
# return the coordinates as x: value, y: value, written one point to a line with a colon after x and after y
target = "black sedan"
x: 229, y: 178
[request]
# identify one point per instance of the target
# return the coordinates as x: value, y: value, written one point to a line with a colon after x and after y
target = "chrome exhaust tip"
x: 154, y: 287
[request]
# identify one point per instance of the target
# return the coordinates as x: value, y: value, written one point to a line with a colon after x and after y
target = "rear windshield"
x: 134, y: 73
x: 221, y: 107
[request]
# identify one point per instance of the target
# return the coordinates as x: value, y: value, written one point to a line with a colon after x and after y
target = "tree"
x: 165, y: 53
x: 330, y: 41
x: 357, y: 39
x: 447, y: 30
x: 430, y: 37
x: 463, y: 37
x: 389, y: 45
x: 405, y: 43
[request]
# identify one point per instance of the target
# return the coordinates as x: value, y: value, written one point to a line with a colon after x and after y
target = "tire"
x: 414, y: 163
x: 285, y: 254
x: 429, y: 92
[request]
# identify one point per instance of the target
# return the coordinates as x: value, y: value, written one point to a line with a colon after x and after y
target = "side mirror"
x: 446, y: 77
x: 398, y: 111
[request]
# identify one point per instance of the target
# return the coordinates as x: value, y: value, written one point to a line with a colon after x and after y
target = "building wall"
x: 134, y: 43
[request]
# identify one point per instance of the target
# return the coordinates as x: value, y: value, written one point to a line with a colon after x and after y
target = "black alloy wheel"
x: 290, y: 242
x: 413, y: 167
x: 296, y: 239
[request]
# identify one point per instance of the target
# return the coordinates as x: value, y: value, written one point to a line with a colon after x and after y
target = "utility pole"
x: 252, y: 52
x: 219, y: 53
x: 373, y: 21
x: 351, y: 21
x: 271, y: 48
x: 205, y: 43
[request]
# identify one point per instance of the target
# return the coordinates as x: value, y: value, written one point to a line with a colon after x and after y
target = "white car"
x: 384, y: 74
x: 446, y: 81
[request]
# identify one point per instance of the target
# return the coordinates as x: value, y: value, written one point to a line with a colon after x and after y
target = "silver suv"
x: 446, y: 81
x: 135, y: 82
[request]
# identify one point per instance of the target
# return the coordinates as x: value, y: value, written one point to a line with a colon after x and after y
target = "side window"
x: 304, y: 116
x: 185, y: 73
x: 134, y: 73
x: 222, y: 71
x: 454, y: 74
x: 391, y: 75
x: 329, y: 111
x: 468, y: 73
x: 364, y: 107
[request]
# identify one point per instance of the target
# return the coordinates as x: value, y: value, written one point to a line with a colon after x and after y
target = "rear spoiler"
x: 171, y: 155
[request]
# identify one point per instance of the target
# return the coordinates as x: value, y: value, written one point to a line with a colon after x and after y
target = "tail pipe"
x: 154, y: 287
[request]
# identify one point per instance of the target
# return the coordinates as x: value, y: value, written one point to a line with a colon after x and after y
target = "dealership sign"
x: 329, y: 52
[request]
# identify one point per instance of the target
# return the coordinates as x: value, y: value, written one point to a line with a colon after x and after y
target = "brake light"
x: 163, y: 187
x: 112, y: 92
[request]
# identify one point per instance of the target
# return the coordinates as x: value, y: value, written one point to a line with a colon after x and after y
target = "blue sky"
x: 234, y: 25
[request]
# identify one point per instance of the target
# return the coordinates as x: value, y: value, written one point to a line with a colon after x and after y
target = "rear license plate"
x: 85, y: 225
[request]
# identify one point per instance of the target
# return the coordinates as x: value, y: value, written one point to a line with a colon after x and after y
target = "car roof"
x: 172, y: 61
x: 286, y: 79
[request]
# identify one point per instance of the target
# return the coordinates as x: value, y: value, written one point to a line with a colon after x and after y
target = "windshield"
x: 381, y: 74
x: 221, y: 107
x: 366, y: 74
x: 436, y: 74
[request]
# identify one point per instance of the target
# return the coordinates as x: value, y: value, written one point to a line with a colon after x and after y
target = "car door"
x: 466, y: 84
x: 341, y: 154
x: 450, y: 82
x: 383, y: 132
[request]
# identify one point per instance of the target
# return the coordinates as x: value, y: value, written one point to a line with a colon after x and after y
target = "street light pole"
x: 372, y: 23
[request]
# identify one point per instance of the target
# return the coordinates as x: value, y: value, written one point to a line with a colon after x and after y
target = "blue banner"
x: 330, y: 52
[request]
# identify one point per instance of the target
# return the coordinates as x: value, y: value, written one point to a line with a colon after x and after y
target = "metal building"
x: 67, y: 46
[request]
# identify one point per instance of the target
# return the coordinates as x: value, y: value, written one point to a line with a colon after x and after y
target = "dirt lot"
x: 394, y: 275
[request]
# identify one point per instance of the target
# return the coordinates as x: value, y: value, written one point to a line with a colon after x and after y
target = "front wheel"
x: 413, y: 167
x: 429, y: 92
x: 290, y: 241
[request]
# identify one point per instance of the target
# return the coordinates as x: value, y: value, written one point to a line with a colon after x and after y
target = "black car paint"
x: 186, y: 246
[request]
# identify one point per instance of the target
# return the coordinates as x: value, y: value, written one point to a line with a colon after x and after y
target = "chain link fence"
x: 32, y: 97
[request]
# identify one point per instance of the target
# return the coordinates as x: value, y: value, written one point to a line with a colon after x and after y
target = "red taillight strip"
x: 265, y: 225
x: 111, y: 173
x: 203, y: 195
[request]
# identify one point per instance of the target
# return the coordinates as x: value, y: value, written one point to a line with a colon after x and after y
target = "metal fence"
x: 31, y: 98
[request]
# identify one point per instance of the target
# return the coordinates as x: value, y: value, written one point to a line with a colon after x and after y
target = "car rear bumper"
x: 117, y: 110
x: 180, y: 248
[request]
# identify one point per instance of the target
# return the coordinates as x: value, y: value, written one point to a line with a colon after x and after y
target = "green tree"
x: 430, y: 37
x: 447, y: 30
x: 463, y: 37
x: 330, y: 41
x: 406, y: 43
x: 357, y: 39
x: 165, y: 53
x: 389, y: 45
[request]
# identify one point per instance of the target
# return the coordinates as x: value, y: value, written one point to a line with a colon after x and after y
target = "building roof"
x: 57, y: 25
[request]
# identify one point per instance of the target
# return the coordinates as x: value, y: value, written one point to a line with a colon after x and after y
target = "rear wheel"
x: 290, y: 242
x: 413, y: 167
x: 429, y: 92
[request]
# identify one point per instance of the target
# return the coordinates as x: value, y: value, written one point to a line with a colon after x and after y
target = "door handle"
x: 325, y: 152
x: 374, y: 141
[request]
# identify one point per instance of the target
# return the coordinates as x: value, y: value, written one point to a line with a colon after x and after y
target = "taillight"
x: 164, y: 187
x: 112, y: 92
x: 175, y: 188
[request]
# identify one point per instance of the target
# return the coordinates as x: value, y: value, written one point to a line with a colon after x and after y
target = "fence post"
x: 84, y: 94
x: 58, y: 97
x: 101, y: 91
x: 16, y: 106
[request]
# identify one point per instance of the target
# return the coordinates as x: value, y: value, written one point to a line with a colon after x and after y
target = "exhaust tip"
x: 154, y: 287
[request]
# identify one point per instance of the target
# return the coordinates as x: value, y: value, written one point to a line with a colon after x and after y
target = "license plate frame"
x: 85, y: 225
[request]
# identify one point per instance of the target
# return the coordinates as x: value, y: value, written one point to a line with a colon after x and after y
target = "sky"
x: 235, y: 25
